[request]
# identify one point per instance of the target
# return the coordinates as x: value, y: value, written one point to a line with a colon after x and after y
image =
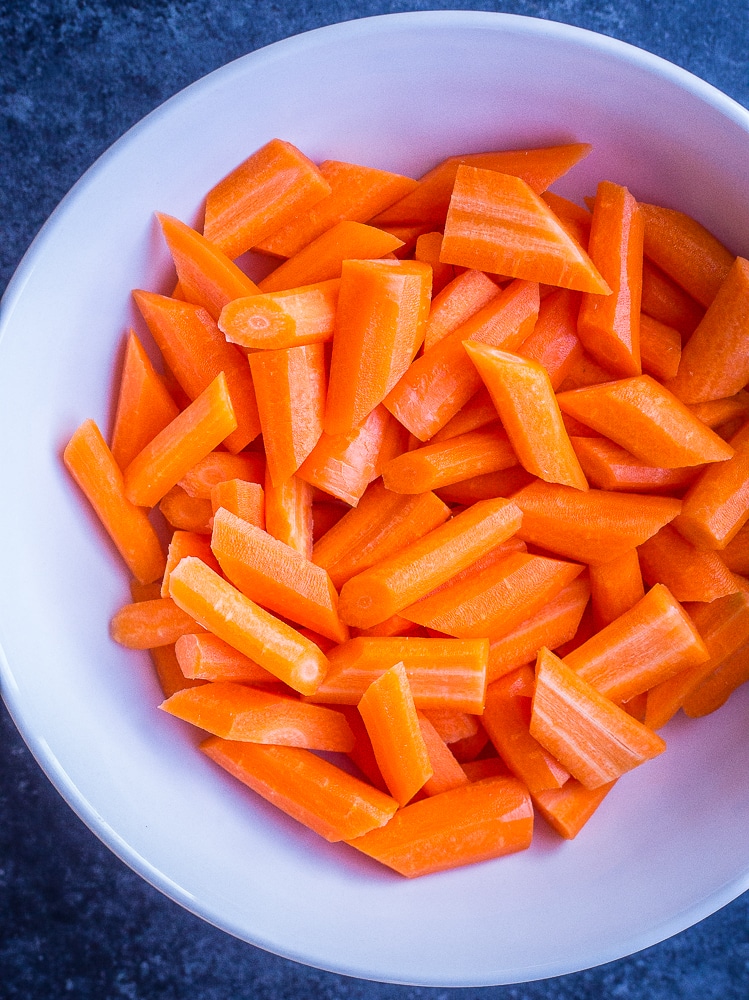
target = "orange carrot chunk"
x: 209, y: 658
x: 554, y: 342
x: 665, y: 301
x: 615, y: 587
x: 148, y: 624
x: 690, y: 574
x: 170, y: 677
x: 610, y: 467
x: 182, y: 544
x: 443, y: 463
x: 457, y: 302
x: 568, y: 809
x: 446, y: 771
x: 427, y: 249
x: 186, y: 513
x: 219, y: 467
x: 715, y: 690
x: 245, y: 500
x: 660, y: 348
x: 288, y: 513
x: 293, y: 318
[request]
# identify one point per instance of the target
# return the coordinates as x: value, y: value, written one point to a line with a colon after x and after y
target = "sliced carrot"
x: 144, y: 591
x: 717, y: 412
x: 568, y: 809
x: 474, y: 415
x: 575, y: 219
x: 736, y: 553
x: 91, y: 464
x: 665, y: 301
x: 457, y: 302
x: 219, y: 467
x: 393, y: 626
x: 170, y: 677
x: 288, y: 513
x: 274, y: 320
x: 186, y: 513
x: 660, y: 348
x: 147, y: 624
x: 615, y: 587
x: 485, y: 767
x: 486, y: 487
x: 446, y: 462
x: 446, y: 771
x: 209, y: 658
x: 186, y: 543
x: 246, y: 500
x: 427, y: 249
x: 554, y: 342
x: 690, y: 574
x: 715, y: 690
x: 610, y: 467
x: 584, y: 371
x: 451, y: 726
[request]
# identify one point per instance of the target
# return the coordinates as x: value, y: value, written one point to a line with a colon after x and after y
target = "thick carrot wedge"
x: 268, y: 189
x: 209, y: 658
x: 660, y: 348
x: 443, y: 463
x: 238, y: 712
x: 591, y: 736
x: 497, y: 223
x: 718, y: 687
x: 610, y: 467
x: 446, y: 771
x: 196, y: 353
x: 690, y: 574
x: 275, y: 320
x: 246, y: 500
x: 665, y: 301
x: 554, y: 342
x: 427, y: 249
x: 219, y: 467
x: 147, y: 624
x: 288, y: 513
x: 476, y: 822
x: 186, y: 513
x: 569, y: 808
x: 144, y: 407
x: 615, y: 587
x: 91, y: 464
x: 276, y: 576
x: 457, y: 302
x: 186, y: 543
x: 226, y: 612
x: 306, y: 787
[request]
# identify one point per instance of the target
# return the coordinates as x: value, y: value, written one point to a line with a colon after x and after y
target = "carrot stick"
x: 170, y: 677
x: 554, y: 342
x: 275, y: 320
x: 209, y: 658
x: 575, y: 219
x: 660, y: 348
x: 427, y: 249
x: 398, y: 581
x: 186, y: 543
x: 615, y: 587
x: 474, y: 415
x: 91, y: 464
x: 568, y: 809
x: 446, y: 771
x: 452, y: 726
x: 445, y: 462
x: 460, y: 299
x: 226, y: 612
x: 717, y: 412
x: 736, y: 553
x: 665, y: 301
x: 196, y: 352
x: 690, y: 574
x: 487, y: 486
x: 583, y: 371
x: 186, y: 513
x: 288, y: 513
x: 306, y: 787
x: 245, y: 500
x: 144, y: 591
x: 393, y: 626
x: 271, y: 187
x: 717, y: 688
x: 147, y: 624
x: 485, y: 767
x: 497, y: 223
x: 609, y: 467
x: 219, y: 467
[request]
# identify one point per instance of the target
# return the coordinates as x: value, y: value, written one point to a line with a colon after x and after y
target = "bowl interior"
x: 397, y: 92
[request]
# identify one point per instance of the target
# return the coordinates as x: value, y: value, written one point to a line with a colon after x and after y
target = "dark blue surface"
x: 74, y: 921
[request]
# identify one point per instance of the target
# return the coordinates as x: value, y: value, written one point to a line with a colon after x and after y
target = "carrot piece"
x: 474, y: 415
x: 591, y: 736
x: 651, y: 642
x: 592, y: 526
x: 387, y: 708
x: 268, y: 189
x: 170, y: 677
x: 717, y: 412
x: 609, y: 325
x: 475, y: 822
x: 427, y: 249
x: 568, y: 809
x: 665, y: 301
x: 271, y: 572
x: 660, y: 348
x: 288, y: 513
x: 446, y: 771
x: 575, y: 219
x: 144, y: 591
x: 223, y: 610
x: 356, y: 195
x: 648, y: 420
x: 429, y: 202
x: 438, y: 384
x: 382, y: 309
x: 290, y: 388
x: 736, y: 553
x: 399, y: 580
x: 147, y: 624
x: 310, y: 789
x: 186, y: 513
x: 485, y: 767
x: 552, y: 625
x: 245, y: 500
x: 219, y: 467
x: 443, y: 673
x: 393, y: 626
x: 186, y: 543
x: 686, y: 251
x: 209, y: 658
x: 445, y: 462
x: 522, y: 392
x: 91, y: 464
x: 497, y: 223
x: 207, y: 277
x: 554, y: 342
x: 717, y: 688
x: 238, y: 712
x: 322, y: 259
x: 144, y: 407
x: 495, y: 601
x: 460, y: 299
x: 690, y: 574
x: 382, y: 524
x: 615, y: 587
x: 452, y: 726
x: 275, y: 320
x: 487, y: 486
x: 609, y: 467
x: 582, y: 372
x: 196, y: 352
x: 192, y: 435
x: 506, y: 719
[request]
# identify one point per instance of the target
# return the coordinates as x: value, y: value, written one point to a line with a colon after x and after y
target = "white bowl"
x: 669, y: 846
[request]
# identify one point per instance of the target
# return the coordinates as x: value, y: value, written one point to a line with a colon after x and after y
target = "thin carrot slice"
x: 288, y: 513
x: 446, y: 771
x: 268, y: 189
x: 427, y: 249
x: 690, y: 574
x: 665, y: 301
x: 219, y: 467
x: 615, y: 587
x: 306, y: 787
x: 591, y: 736
x: 554, y: 342
x: 209, y: 658
x: 457, y: 302
x: 443, y: 463
x: 569, y: 808
x: 147, y: 624
x: 275, y: 320
x: 497, y: 223
x: 225, y: 611
x: 660, y: 348
x: 610, y: 467
x: 186, y: 513
x: 715, y: 690
x: 246, y: 500
x: 186, y: 543
x: 91, y: 464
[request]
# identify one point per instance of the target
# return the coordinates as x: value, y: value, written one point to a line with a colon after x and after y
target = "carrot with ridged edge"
x: 399, y: 580
x: 715, y: 690
x: 186, y: 543
x: 222, y: 609
x: 274, y: 320
x: 591, y: 736
x: 649, y: 421
x: 322, y: 259
x: 646, y: 645
x: 288, y: 513
x: 615, y: 587
x: 487, y: 486
x: 660, y: 348
x: 460, y: 299
x: 381, y: 524
x: 439, y: 382
x: 246, y: 500
x: 144, y: 406
x: 388, y: 710
x: 443, y: 463
x: 690, y: 574
x: 446, y: 771
x: 665, y: 301
x: 206, y: 657
x: 310, y: 789
x: 554, y: 342
x: 443, y: 673
x: 427, y: 249
x: 186, y: 513
x: 147, y: 624
x: 93, y: 467
x: 568, y: 809
x: 608, y: 466
x: 250, y: 715
x: 497, y: 223
x: 379, y: 327
x: 272, y: 186
x: 609, y: 325
x: 290, y: 386
x: 196, y: 352
x: 523, y: 395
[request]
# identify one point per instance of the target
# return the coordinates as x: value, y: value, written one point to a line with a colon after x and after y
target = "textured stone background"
x: 74, y: 921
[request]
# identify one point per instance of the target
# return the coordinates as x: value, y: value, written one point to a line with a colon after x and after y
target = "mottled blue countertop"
x: 74, y: 920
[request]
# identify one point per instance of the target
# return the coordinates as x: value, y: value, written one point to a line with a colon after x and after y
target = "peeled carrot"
x: 460, y: 299
x: 219, y: 467
x: 244, y: 499
x: 568, y: 809
x: 615, y: 586
x: 446, y: 462
x: 736, y: 553
x: 665, y: 301
x: 186, y: 513
x: 274, y: 320
x: 474, y: 415
x: 660, y: 348
x: 427, y: 249
x: 717, y: 412
x: 186, y: 543
x: 147, y: 624
x: 209, y: 658
x: 288, y: 513
x: 554, y: 342
x: 446, y: 771
x: 715, y: 690
x: 170, y: 677
x: 690, y: 574
x: 487, y: 486
x: 610, y: 467
x: 452, y: 726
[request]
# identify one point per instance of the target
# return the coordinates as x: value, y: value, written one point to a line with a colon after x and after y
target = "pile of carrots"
x: 456, y: 497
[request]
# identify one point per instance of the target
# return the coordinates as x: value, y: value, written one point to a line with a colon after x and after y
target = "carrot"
x: 690, y: 574
x: 609, y: 467
x: 147, y: 624
x: 395, y: 625
x: 460, y: 299
x: 583, y: 371
x: 209, y: 658
x: 186, y: 513
x: 288, y: 513
x: 615, y: 586
x: 568, y: 809
x: 144, y: 591
x: 452, y: 726
x: 244, y: 499
x: 446, y: 771
x: 274, y: 320
x: 575, y: 219
x: 474, y: 415
x: 306, y: 787
x: 427, y: 249
x: 223, y: 610
x: 487, y: 486
x: 170, y: 677
x: 186, y: 543
x: 443, y: 463
x: 497, y: 223
x: 736, y: 553
x: 717, y: 412
x: 144, y: 407
x: 485, y: 767
x: 271, y: 187
x: 219, y: 467
x: 91, y: 464
x: 469, y: 749
x: 715, y: 690
x: 665, y: 301
x: 554, y: 342
x: 660, y: 348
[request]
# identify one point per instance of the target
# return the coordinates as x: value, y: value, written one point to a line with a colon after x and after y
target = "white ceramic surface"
x: 670, y: 845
